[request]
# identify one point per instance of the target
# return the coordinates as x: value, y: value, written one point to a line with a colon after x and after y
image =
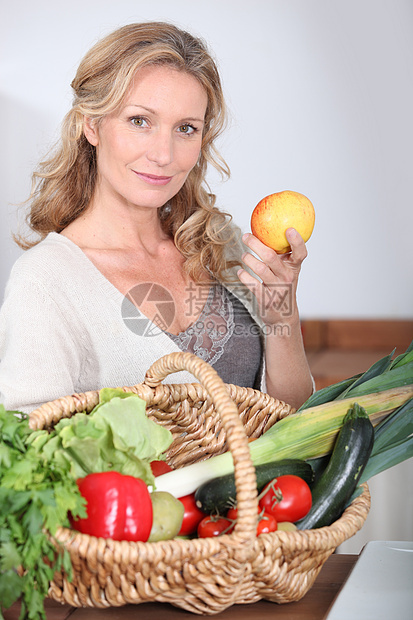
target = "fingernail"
x: 291, y: 232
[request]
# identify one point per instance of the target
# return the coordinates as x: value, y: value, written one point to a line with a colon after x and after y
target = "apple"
x: 277, y: 212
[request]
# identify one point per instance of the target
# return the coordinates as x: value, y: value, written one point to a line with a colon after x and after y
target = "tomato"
x: 233, y: 513
x: 192, y: 515
x: 160, y: 467
x: 266, y: 524
x: 214, y: 526
x: 287, y: 498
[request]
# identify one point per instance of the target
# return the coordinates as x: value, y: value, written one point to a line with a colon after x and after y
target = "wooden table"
x: 314, y: 605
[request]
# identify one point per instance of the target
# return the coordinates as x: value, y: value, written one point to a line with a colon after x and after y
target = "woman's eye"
x: 187, y: 129
x: 138, y: 121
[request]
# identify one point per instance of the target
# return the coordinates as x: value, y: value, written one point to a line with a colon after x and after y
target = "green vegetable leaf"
x: 117, y: 435
x: 32, y: 520
x: 38, y: 490
x: 329, y: 393
x: 395, y: 454
x: 10, y: 556
x: 35, y: 496
x: 19, y: 476
x: 131, y: 428
x: 404, y: 358
x: 397, y: 426
x: 377, y: 369
x: 106, y: 394
x: 11, y: 586
x: 392, y: 378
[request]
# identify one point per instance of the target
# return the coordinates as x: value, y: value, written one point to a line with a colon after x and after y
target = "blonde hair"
x: 64, y: 184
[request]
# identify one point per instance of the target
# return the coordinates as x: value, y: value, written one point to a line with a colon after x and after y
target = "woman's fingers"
x: 270, y: 266
x: 274, y: 276
x: 254, y: 285
x: 298, y: 247
x: 266, y: 254
x: 257, y: 265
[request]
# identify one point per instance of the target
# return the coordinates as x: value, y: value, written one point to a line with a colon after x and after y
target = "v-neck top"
x: 227, y: 337
x: 65, y: 328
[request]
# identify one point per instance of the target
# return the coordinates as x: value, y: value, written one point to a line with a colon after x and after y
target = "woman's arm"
x: 274, y: 285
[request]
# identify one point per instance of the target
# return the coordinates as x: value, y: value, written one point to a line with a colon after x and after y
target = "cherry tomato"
x: 233, y: 513
x: 160, y: 467
x: 214, y: 526
x: 266, y: 524
x: 287, y: 498
x: 192, y: 515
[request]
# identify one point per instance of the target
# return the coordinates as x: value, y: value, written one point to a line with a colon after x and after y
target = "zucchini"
x: 348, y: 459
x: 217, y: 495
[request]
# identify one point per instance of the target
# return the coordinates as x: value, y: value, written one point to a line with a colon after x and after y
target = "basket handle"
x: 244, y: 471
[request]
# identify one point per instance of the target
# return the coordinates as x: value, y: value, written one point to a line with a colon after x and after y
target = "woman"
x: 134, y: 260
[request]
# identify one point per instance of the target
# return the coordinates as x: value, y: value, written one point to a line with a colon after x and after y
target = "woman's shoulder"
x: 44, y: 262
x: 47, y: 255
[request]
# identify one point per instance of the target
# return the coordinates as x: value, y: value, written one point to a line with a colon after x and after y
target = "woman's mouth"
x: 152, y: 179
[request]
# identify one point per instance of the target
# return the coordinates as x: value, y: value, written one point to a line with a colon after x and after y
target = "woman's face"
x: 147, y: 148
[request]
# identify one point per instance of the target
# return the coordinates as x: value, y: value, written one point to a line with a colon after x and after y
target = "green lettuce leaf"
x: 117, y: 435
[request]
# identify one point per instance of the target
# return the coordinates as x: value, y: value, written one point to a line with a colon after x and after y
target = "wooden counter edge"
x: 313, y: 606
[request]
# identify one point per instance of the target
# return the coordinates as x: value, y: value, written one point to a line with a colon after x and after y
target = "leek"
x: 311, y: 432
x: 379, y: 462
x: 380, y: 376
x: 304, y: 435
x: 394, y: 428
x: 395, y: 454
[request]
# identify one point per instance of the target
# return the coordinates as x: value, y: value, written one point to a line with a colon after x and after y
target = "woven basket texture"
x: 204, y: 576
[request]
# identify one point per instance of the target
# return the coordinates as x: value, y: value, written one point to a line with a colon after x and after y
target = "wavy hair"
x: 63, y: 185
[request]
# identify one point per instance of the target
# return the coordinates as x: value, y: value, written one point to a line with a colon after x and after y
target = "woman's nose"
x: 160, y: 150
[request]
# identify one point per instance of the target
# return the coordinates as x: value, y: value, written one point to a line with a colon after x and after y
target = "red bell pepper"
x: 118, y: 507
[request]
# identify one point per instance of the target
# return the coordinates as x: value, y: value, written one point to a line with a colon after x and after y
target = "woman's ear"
x: 90, y: 131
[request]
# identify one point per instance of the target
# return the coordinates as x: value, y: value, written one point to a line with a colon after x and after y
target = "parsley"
x: 36, y: 496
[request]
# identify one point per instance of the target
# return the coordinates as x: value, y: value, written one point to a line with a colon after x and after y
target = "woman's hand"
x: 275, y: 286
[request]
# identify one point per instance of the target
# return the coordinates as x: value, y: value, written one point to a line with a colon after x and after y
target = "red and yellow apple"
x: 277, y: 212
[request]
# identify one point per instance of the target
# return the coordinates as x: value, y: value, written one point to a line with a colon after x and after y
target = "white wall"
x: 321, y: 94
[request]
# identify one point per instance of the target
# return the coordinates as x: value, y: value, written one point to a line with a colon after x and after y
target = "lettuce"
x: 117, y: 435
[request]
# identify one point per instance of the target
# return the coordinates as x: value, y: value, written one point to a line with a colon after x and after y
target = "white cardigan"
x: 61, y: 330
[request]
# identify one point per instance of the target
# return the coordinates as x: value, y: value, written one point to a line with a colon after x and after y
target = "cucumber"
x: 337, y: 483
x: 219, y: 494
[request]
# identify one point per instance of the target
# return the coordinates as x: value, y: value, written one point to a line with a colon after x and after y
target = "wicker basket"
x: 204, y: 576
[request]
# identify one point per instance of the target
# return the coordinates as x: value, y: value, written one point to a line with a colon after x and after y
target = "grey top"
x: 226, y: 336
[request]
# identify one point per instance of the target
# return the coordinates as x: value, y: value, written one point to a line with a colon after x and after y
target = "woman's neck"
x: 117, y: 228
